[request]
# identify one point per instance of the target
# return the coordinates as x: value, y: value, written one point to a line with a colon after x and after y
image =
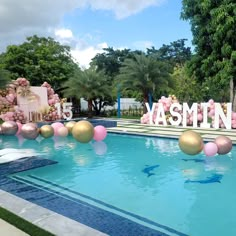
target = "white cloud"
x: 64, y: 33
x: 84, y: 55
x: 22, y: 18
x: 122, y: 8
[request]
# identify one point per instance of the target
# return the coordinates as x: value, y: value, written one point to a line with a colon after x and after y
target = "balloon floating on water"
x: 83, y: 131
x: 69, y: 125
x: 210, y: 149
x: 224, y: 144
x: 9, y: 128
x: 100, y: 133
x: 29, y: 131
x: 190, y: 142
x: 46, y: 131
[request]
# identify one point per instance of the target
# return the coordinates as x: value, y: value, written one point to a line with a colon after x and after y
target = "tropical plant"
x: 144, y: 74
x: 92, y: 86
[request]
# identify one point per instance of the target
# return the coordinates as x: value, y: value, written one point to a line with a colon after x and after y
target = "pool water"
x: 148, y: 180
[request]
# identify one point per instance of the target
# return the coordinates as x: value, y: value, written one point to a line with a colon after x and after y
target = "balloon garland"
x: 191, y: 143
x: 83, y: 131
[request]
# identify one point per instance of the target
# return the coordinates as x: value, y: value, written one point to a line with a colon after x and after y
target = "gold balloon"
x: 190, y: 142
x: 83, y: 131
x: 224, y: 144
x: 46, y: 131
x: 69, y: 125
x: 9, y: 128
x: 29, y: 131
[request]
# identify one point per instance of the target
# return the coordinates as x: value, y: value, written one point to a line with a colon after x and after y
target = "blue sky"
x: 155, y: 25
x: 87, y: 26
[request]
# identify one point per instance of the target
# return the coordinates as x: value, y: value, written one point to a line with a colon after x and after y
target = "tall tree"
x: 176, y: 53
x: 39, y: 59
x: 213, y: 28
x: 92, y: 86
x: 110, y: 61
x: 144, y: 74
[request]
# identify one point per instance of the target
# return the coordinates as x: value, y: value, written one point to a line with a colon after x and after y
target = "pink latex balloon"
x: 100, y: 133
x: 62, y: 131
x: 56, y: 126
x: 210, y: 149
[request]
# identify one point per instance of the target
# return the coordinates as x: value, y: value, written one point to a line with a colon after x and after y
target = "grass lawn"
x: 22, y: 224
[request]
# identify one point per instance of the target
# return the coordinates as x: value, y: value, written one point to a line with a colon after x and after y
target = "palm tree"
x: 145, y: 74
x: 4, y: 78
x: 88, y: 84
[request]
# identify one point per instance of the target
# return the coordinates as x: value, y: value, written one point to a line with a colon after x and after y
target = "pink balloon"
x: 210, y: 149
x: 234, y: 115
x: 62, y: 131
x: 56, y: 126
x: 100, y: 133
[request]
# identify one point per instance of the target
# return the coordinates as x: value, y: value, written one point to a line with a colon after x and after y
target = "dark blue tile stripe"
x: 92, y: 216
x: 109, y: 206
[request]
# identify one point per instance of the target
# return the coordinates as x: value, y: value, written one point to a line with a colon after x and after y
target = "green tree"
x: 4, y: 78
x: 176, y: 53
x: 92, y: 86
x: 187, y: 88
x: 144, y: 74
x: 213, y: 28
x: 39, y: 59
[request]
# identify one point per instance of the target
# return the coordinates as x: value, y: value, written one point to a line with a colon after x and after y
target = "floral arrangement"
x: 10, y: 111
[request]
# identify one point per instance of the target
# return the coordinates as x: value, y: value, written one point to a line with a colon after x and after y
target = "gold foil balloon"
x: 190, y: 142
x: 46, y: 131
x: 83, y: 131
x: 69, y: 125
x: 29, y: 131
x: 9, y: 128
x: 224, y: 144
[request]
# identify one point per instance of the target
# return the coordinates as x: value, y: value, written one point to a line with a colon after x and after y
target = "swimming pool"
x: 144, y: 180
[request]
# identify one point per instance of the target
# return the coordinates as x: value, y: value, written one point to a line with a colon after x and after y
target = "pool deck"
x: 46, y: 219
x: 134, y: 127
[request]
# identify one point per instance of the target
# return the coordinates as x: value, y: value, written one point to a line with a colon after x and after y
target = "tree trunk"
x: 233, y: 95
x: 90, y: 108
x: 145, y: 100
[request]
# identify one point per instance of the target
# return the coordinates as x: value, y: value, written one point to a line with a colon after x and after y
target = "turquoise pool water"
x: 148, y: 177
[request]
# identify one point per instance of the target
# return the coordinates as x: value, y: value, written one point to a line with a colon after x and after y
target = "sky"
x: 88, y: 26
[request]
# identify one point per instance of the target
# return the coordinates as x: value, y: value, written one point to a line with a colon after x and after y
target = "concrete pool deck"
x: 46, y: 219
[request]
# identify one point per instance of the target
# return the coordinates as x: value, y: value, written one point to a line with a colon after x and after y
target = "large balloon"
x: 224, y: 144
x: 46, y: 131
x: 56, y: 126
x: 62, y: 131
x: 9, y: 128
x: 190, y: 142
x: 83, y: 131
x: 69, y: 125
x: 210, y: 149
x: 100, y: 133
x: 29, y: 131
